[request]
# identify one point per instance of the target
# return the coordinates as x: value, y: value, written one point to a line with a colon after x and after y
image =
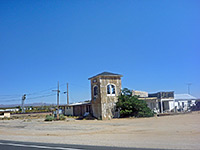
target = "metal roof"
x: 2, y: 110
x: 79, y: 103
x: 183, y: 97
x: 106, y: 74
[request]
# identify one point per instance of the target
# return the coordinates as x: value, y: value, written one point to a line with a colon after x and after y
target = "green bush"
x: 62, y: 117
x: 49, y: 118
x: 130, y: 105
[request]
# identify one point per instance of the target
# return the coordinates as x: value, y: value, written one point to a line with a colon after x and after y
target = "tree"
x: 131, y: 106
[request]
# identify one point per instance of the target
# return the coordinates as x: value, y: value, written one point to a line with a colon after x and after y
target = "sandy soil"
x: 170, y: 132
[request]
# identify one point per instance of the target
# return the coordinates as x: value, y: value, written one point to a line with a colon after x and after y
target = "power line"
x: 11, y: 100
x: 41, y: 96
x: 71, y: 98
x: 36, y: 95
x: 14, y: 97
x: 49, y: 89
x: 11, y: 95
x: 78, y: 85
x: 6, y: 98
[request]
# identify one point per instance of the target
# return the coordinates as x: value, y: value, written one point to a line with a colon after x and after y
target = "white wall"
x: 184, y: 104
x: 171, y: 105
x: 69, y: 111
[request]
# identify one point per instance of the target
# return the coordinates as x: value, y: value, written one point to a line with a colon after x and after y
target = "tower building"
x: 105, y: 89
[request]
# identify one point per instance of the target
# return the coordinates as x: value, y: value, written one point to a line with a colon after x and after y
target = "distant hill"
x: 31, y: 104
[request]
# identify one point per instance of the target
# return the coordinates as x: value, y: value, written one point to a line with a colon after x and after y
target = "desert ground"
x: 168, y: 132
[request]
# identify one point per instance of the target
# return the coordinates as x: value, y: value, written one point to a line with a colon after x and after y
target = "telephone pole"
x: 67, y: 94
x: 189, y: 84
x: 23, y: 99
x: 58, y: 92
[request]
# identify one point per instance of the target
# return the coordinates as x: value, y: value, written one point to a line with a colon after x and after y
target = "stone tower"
x: 105, y: 89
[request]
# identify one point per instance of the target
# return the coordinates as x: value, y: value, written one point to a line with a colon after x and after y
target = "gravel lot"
x: 170, y: 132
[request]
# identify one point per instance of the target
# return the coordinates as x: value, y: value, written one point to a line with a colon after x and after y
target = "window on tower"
x: 111, y: 90
x: 95, y: 90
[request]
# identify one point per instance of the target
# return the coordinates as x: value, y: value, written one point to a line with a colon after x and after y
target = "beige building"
x: 4, y: 114
x: 105, y: 89
x: 140, y: 93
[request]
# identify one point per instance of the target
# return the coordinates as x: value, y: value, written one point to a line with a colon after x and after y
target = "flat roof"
x: 79, y: 103
x: 184, y: 96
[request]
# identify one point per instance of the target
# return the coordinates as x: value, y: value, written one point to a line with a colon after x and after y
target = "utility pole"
x: 189, y: 84
x: 23, y: 99
x: 58, y: 92
x: 67, y: 94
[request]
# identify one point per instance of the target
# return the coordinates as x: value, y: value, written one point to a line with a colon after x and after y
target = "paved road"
x: 13, y: 145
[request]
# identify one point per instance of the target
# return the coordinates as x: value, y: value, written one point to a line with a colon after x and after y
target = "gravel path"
x: 170, y: 132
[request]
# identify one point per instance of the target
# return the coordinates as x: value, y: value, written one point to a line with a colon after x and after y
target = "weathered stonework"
x: 103, y: 103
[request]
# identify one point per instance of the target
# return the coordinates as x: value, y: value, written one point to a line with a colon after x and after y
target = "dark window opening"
x: 95, y: 91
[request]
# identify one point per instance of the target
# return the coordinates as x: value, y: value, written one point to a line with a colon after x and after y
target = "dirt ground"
x: 170, y: 132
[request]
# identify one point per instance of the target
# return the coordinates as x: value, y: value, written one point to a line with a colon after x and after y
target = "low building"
x: 183, y: 102
x: 160, y: 102
x: 165, y: 101
x: 196, y: 107
x: 4, y: 114
x: 77, y: 109
x: 152, y: 103
x: 12, y: 109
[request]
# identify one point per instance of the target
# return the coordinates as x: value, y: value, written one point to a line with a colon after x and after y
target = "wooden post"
x: 58, y: 101
x: 67, y: 94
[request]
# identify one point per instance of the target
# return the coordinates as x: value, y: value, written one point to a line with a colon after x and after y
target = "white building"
x: 183, y: 102
x: 165, y: 102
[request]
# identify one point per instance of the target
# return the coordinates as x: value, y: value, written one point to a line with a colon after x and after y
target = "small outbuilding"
x: 4, y: 114
x: 77, y: 109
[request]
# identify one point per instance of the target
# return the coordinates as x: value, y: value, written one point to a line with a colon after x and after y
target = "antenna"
x: 189, y: 84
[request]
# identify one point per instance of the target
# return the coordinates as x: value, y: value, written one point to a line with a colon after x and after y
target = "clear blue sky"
x: 155, y: 45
